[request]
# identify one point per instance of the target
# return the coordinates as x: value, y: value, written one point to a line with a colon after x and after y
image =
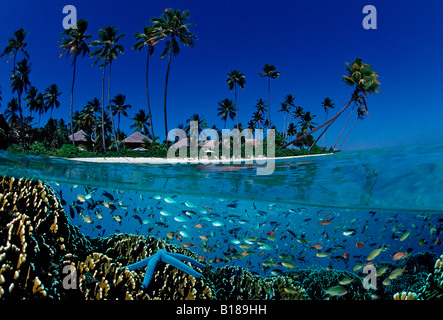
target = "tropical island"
x: 94, y: 130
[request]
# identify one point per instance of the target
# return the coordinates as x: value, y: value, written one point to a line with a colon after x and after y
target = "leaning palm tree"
x: 141, y: 122
x: 226, y: 109
x: 148, y: 38
x: 235, y: 78
x: 364, y: 80
x: 15, y: 44
x: 19, y: 84
x: 360, y: 116
x: 270, y: 72
x: 326, y: 104
x: 51, y: 97
x: 172, y: 25
x: 108, y: 50
x: 119, y: 107
x: 73, y: 42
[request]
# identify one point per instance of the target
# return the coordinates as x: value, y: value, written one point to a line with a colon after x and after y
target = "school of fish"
x: 267, y: 238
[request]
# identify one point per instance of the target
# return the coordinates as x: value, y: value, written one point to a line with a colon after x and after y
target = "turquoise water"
x: 314, y: 212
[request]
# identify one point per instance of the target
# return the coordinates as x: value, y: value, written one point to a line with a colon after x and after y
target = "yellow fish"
x: 405, y: 235
x: 81, y: 198
x: 396, y: 273
x: 322, y: 254
x: 336, y: 291
x: 374, y: 253
x: 288, y: 264
x: 87, y: 219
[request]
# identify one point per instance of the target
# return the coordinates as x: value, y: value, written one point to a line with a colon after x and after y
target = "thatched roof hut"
x: 136, y: 140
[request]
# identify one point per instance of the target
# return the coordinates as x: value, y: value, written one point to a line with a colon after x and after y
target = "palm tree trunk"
x: 343, y: 127
x: 72, y: 99
x: 284, y: 120
x: 22, y: 126
x: 236, y: 108
x: 110, y: 108
x: 330, y: 121
x: 147, y: 93
x: 323, y: 140
x: 166, y: 91
x: 103, y: 109
x: 355, y: 122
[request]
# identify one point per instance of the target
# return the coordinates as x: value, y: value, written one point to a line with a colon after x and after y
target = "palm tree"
x: 269, y: 71
x: 292, y: 129
x: 358, y: 100
x: 11, y: 112
x: 306, y: 122
x: 171, y: 24
x: 31, y: 96
x: 201, y: 122
x: 73, y: 42
x: 40, y: 106
x: 119, y: 107
x: 141, y: 122
x: 326, y: 104
x: 90, y: 112
x: 15, y: 44
x: 235, y: 78
x: 51, y: 97
x: 299, y: 113
x: 364, y: 80
x: 360, y: 116
x: 19, y: 84
x: 108, y: 51
x: 226, y: 109
x: 285, y: 109
x: 148, y: 38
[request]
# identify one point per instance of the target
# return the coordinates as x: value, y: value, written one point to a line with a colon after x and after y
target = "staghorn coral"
x: 238, y: 283
x: 99, y: 278
x: 405, y: 296
x: 34, y: 234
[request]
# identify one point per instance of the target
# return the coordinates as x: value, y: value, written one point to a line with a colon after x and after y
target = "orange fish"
x: 198, y: 226
x: 317, y: 246
x: 346, y: 255
x: 398, y: 255
x: 204, y: 238
x: 170, y: 235
x: 324, y: 222
x: 327, y: 215
x: 437, y: 241
x: 359, y: 244
x: 270, y: 233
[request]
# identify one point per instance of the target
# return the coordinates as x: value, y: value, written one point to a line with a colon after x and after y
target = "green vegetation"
x: 103, y: 137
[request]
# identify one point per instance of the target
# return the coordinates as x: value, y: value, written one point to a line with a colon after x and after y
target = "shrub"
x: 68, y: 151
x: 38, y: 148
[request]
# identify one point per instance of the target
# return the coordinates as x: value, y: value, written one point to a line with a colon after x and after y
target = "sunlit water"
x: 325, y: 211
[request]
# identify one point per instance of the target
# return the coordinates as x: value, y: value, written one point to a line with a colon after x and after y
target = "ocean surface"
x: 328, y: 211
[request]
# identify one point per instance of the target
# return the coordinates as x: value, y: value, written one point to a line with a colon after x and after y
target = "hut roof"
x: 136, y: 137
x: 79, y: 136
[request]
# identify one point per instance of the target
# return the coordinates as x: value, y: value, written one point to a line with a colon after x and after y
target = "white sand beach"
x: 142, y: 160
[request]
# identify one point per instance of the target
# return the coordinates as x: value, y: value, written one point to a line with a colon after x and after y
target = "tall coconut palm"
x: 326, y: 104
x: 51, y: 97
x: 108, y: 50
x: 364, y: 80
x: 40, y: 106
x: 141, y: 122
x: 90, y: 113
x: 306, y: 122
x: 172, y: 26
x: 236, y: 78
x: 270, y: 72
x: 226, y: 109
x: 16, y: 43
x: 19, y: 84
x: 285, y: 109
x: 148, y: 38
x: 201, y: 122
x: 119, y: 107
x: 31, y: 96
x: 73, y: 42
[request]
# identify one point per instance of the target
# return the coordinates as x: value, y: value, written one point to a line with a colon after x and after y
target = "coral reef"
x: 433, y: 289
x: 238, y: 283
x: 34, y: 234
x: 38, y: 244
x: 317, y: 281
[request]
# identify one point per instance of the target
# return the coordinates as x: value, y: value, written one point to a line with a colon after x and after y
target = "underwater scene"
x: 357, y: 225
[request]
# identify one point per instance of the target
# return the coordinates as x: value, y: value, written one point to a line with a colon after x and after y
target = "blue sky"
x: 308, y: 42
